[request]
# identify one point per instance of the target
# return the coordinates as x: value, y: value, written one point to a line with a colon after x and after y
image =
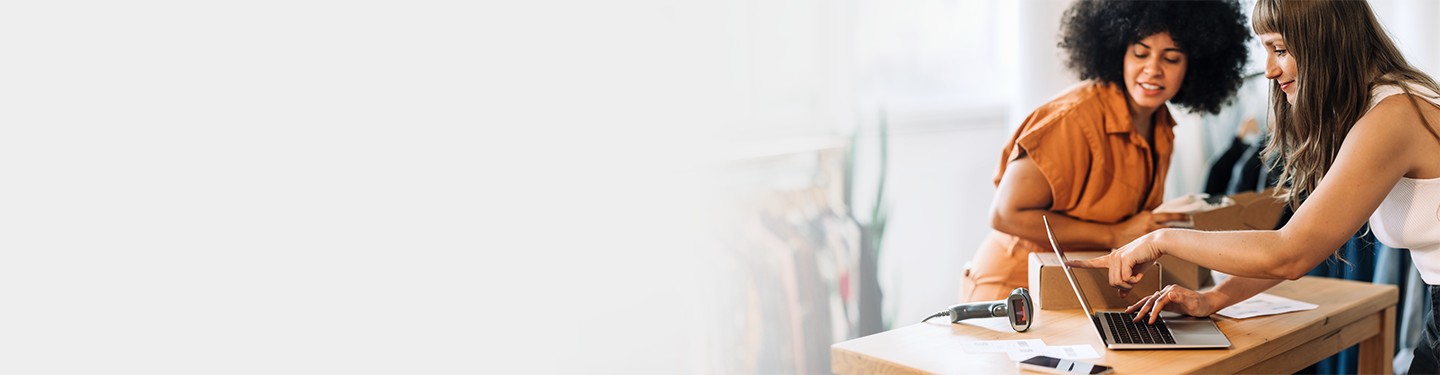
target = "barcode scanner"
x: 1017, y: 308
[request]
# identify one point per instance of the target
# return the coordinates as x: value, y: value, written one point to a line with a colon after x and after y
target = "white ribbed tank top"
x: 1409, y: 218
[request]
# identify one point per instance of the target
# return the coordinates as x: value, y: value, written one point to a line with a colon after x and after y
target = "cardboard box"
x: 1251, y: 211
x: 1050, y: 290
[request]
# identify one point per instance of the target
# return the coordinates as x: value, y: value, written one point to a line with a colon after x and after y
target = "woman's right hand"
x: 1173, y: 298
x: 1127, y: 264
x: 1140, y: 224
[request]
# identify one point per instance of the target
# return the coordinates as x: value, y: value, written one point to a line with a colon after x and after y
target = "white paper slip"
x: 1022, y: 354
x: 1059, y: 351
x: 1003, y: 346
x: 1072, y: 351
x: 1264, y: 304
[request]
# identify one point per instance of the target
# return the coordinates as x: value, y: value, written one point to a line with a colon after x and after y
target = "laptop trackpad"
x: 1196, y: 332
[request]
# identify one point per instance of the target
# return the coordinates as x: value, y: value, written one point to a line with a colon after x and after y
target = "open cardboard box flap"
x: 1251, y: 211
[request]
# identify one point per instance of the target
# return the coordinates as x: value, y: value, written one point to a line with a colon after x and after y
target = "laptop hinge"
x: 1100, y: 328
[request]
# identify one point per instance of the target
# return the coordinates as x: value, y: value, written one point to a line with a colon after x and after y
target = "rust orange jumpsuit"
x: 1099, y: 170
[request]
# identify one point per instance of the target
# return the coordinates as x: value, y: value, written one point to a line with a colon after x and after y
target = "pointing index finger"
x: 1100, y: 262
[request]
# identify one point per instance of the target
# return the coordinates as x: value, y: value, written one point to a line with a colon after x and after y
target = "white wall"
x: 942, y: 190
x: 1029, y: 31
x: 1412, y: 23
x: 943, y: 172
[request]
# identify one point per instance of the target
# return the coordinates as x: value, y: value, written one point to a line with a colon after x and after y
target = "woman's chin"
x: 1151, y: 103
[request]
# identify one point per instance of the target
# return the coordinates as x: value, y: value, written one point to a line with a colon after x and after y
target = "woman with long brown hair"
x: 1355, y: 132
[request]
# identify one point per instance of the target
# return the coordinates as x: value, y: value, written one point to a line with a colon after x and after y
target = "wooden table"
x: 1350, y: 312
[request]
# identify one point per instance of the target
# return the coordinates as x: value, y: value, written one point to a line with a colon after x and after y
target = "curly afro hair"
x: 1096, y: 34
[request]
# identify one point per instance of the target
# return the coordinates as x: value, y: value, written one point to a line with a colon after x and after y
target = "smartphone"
x: 1052, y: 365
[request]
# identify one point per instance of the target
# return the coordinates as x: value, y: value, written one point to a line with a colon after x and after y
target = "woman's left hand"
x: 1173, y: 298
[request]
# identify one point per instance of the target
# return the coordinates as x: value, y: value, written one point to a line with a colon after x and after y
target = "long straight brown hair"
x: 1341, y: 54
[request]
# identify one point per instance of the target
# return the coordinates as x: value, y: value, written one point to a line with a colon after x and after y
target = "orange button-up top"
x: 1098, y: 167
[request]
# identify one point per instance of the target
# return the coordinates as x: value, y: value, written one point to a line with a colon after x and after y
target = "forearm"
x: 1024, y: 197
x: 1262, y: 254
x: 1073, y: 233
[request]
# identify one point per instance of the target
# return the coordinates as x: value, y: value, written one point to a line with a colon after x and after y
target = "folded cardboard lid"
x: 1251, y: 211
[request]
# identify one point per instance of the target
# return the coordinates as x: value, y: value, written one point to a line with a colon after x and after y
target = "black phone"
x: 1052, y: 365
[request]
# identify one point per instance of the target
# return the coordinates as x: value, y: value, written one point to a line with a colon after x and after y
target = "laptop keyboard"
x: 1126, y: 331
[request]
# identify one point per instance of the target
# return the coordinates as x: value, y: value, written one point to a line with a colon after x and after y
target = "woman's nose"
x: 1272, y: 71
x: 1152, y: 66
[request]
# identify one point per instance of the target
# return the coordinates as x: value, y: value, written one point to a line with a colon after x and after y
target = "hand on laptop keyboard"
x: 1173, y: 298
x: 1126, y: 330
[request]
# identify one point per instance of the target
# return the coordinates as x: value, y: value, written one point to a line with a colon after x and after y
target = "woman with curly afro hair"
x: 1094, y: 159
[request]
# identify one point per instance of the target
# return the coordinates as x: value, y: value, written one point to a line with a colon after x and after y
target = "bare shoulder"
x: 1395, y: 117
x: 1394, y: 126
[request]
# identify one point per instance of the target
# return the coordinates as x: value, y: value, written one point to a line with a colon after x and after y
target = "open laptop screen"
x: 1069, y: 274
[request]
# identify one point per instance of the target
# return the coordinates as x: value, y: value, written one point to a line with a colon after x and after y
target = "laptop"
x: 1117, y: 330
